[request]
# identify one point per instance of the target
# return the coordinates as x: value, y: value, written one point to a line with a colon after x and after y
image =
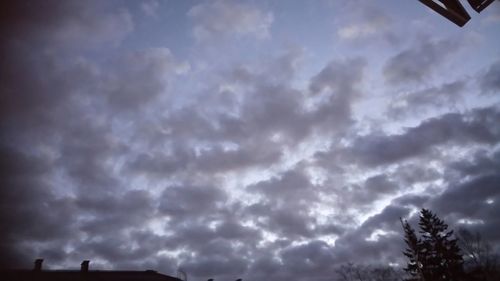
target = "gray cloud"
x: 111, y: 149
x: 293, y: 186
x: 476, y: 126
x: 356, y: 246
x: 334, y: 77
x: 220, y: 266
x: 418, y: 62
x: 179, y: 201
x: 380, y: 184
x: 270, y: 115
x: 408, y: 174
x: 91, y: 24
x: 407, y: 104
x: 308, y: 259
x: 473, y: 194
x: 221, y: 18
x: 29, y: 209
x: 153, y: 66
x: 367, y: 24
x: 489, y: 82
x: 292, y: 191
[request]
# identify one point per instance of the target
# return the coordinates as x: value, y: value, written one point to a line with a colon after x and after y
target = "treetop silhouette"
x: 434, y: 255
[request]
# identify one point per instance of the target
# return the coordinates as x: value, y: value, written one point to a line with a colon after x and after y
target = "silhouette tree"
x: 434, y: 256
x: 414, y: 251
x: 349, y: 272
x: 480, y: 259
x: 357, y: 272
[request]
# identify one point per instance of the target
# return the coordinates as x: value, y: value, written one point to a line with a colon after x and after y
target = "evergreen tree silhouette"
x: 443, y: 260
x: 436, y: 255
x: 413, y: 252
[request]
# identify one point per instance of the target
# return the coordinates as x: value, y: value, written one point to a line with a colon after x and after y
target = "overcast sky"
x: 242, y: 139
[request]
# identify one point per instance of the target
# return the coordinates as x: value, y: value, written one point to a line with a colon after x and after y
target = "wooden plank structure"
x: 453, y: 9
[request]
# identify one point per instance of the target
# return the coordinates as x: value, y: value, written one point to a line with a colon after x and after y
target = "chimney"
x: 85, y: 266
x: 38, y: 265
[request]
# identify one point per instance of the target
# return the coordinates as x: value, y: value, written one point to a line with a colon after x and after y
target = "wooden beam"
x: 450, y: 9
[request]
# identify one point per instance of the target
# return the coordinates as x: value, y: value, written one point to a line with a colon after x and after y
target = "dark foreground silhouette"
x: 438, y: 254
x: 37, y: 274
x: 453, y: 9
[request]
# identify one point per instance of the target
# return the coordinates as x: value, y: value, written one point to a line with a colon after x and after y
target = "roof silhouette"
x: 83, y: 274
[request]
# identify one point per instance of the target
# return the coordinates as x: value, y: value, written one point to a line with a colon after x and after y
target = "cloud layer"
x: 243, y: 154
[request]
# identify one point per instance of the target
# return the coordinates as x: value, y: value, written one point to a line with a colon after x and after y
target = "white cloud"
x: 150, y: 8
x: 221, y: 18
x: 355, y: 31
x: 371, y: 22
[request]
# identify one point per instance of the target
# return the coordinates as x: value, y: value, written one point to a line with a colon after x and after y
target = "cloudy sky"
x: 252, y: 139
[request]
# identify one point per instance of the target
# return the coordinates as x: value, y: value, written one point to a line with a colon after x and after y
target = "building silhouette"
x: 84, y: 274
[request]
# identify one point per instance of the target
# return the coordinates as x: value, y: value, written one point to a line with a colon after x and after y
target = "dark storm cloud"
x: 361, y: 194
x: 108, y: 154
x: 341, y: 82
x: 473, y: 127
x: 267, y: 267
x: 228, y: 237
x: 225, y: 247
x: 43, y: 125
x: 380, y: 184
x: 153, y: 65
x: 227, y: 141
x: 179, y: 201
x: 224, y: 266
x: 489, y: 81
x: 78, y: 24
x: 202, y: 221
x: 22, y: 180
x: 411, y: 200
x: 103, y: 213
x: 356, y: 245
x: 268, y: 105
x: 473, y: 194
x: 85, y: 225
x: 213, y: 159
x: 87, y: 146
x: 36, y: 89
x: 285, y: 204
x: 160, y: 165
x: 477, y: 191
x: 118, y: 249
x: 283, y: 221
x: 293, y: 186
x: 312, y: 259
x: 411, y: 173
x: 84, y: 153
x: 334, y: 77
x: 477, y: 126
x: 269, y: 116
x: 419, y: 61
x: 444, y: 96
x: 469, y: 198
x: 271, y: 106
x: 480, y: 163
x: 219, y: 159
